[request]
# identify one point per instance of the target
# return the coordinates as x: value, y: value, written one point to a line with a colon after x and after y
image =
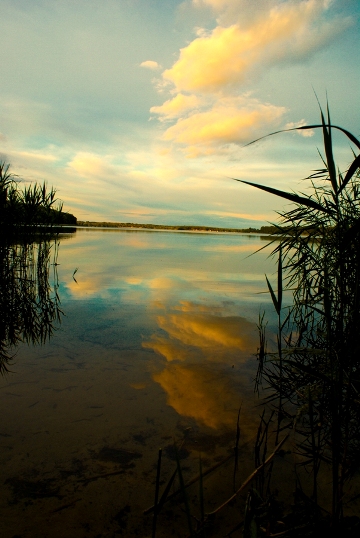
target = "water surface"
x: 157, y: 343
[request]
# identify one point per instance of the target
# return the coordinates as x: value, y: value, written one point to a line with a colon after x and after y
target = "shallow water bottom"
x: 80, y: 434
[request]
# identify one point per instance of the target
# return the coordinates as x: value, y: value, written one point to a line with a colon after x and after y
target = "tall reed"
x: 28, y: 207
x: 314, y: 374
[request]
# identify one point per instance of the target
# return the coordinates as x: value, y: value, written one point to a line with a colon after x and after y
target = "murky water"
x: 156, y: 343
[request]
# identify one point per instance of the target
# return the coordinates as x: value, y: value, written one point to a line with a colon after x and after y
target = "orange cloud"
x: 207, y: 331
x: 199, y: 346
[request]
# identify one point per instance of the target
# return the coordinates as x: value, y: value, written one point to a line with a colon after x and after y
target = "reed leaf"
x: 350, y: 136
x: 315, y: 371
x: 287, y: 195
x: 273, y: 297
x: 353, y: 168
x: 328, y: 150
x: 280, y: 280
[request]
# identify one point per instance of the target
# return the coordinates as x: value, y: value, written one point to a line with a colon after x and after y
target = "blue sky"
x: 139, y: 110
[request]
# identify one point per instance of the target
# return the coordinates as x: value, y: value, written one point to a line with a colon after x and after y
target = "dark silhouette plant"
x: 28, y: 207
x: 314, y: 373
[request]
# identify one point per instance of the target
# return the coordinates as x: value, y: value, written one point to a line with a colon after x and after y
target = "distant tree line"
x: 262, y: 230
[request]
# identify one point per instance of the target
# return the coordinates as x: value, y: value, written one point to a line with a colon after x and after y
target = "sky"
x: 140, y: 110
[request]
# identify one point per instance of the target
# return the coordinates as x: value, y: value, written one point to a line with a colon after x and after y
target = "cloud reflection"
x: 208, y: 362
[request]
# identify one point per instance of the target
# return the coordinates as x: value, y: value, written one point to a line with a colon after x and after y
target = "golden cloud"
x: 199, y: 346
x: 176, y: 106
x: 86, y: 286
x: 133, y: 281
x: 230, y: 120
x: 160, y: 283
x: 286, y: 32
x: 206, y: 331
x: 209, y: 71
x: 203, y: 334
x: 200, y: 393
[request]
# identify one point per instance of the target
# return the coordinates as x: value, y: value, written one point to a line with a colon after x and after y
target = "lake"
x: 156, y: 343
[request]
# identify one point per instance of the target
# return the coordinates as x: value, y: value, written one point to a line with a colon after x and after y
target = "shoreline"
x: 180, y: 228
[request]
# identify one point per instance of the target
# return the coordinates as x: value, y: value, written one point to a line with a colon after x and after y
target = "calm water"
x: 156, y: 343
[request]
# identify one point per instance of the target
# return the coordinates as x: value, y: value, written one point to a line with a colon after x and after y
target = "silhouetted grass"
x: 314, y: 373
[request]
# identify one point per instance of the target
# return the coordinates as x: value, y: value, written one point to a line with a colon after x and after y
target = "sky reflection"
x: 208, y: 357
x: 152, y: 266
x: 157, y: 342
x: 197, y: 298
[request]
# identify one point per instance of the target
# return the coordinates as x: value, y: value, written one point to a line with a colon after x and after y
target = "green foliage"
x: 314, y: 373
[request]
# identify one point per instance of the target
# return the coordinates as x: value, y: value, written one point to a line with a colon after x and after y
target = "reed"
x: 314, y: 372
x: 30, y: 206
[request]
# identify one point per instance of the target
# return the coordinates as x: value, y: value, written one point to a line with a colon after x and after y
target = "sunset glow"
x: 139, y: 112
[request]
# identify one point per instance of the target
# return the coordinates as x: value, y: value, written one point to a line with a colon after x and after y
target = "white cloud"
x: 150, y: 64
x: 91, y: 166
x: 302, y: 132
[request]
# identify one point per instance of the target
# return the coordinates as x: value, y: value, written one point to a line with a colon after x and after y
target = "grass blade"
x: 201, y: 496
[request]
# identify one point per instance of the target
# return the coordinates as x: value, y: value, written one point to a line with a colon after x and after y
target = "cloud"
x: 228, y: 56
x: 37, y: 155
x: 207, y: 107
x: 305, y: 132
x: 176, y: 106
x: 230, y: 120
x: 150, y: 64
x: 91, y: 166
